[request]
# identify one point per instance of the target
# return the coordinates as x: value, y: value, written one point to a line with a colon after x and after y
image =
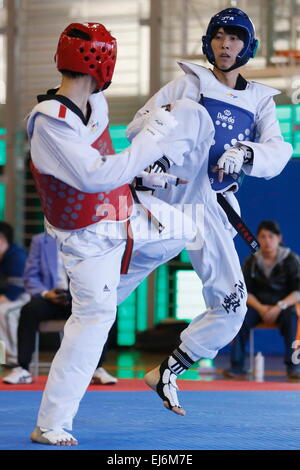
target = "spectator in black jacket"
x: 272, y: 277
x: 12, y: 293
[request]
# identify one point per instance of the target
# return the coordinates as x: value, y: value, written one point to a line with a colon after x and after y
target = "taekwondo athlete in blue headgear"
x: 233, y: 132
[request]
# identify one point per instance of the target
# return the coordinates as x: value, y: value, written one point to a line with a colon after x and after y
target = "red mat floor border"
x: 131, y: 385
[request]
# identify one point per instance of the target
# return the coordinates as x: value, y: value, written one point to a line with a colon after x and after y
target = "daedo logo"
x: 226, y: 117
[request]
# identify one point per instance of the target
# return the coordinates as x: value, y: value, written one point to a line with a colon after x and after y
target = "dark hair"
x: 75, y: 33
x: 239, y: 32
x: 7, y: 231
x: 269, y: 225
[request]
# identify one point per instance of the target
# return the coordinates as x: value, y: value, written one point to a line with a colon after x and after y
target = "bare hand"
x: 58, y: 299
x: 220, y: 173
x: 263, y: 310
x: 271, y: 315
x: 182, y: 181
x: 3, y: 299
x: 220, y: 176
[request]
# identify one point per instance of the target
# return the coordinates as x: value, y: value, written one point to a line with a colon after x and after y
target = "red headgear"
x: 95, y: 56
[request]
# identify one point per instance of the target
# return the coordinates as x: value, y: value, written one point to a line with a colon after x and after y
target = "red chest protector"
x: 68, y: 208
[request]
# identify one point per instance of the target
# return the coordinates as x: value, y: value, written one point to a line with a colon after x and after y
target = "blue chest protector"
x: 232, y: 124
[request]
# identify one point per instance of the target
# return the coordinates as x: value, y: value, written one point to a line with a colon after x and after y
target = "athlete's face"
x: 225, y: 48
x: 269, y: 241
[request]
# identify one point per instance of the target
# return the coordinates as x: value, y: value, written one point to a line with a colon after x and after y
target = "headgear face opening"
x: 95, y: 56
x: 231, y: 17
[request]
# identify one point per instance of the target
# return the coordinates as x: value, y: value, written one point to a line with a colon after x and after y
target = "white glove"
x: 232, y: 160
x: 159, y: 124
x: 157, y: 180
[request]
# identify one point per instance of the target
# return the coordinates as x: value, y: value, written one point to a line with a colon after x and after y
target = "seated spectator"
x: 46, y: 281
x: 12, y: 292
x: 272, y: 276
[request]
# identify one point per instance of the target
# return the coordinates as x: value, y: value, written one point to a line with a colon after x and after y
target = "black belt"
x: 151, y: 218
x: 238, y: 223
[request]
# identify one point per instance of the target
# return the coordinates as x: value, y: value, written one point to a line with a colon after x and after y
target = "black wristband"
x: 138, y: 184
x: 248, y: 158
x: 161, y: 166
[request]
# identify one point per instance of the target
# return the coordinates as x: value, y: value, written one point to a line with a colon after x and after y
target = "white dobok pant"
x: 216, y: 262
x: 92, y: 258
x: 9, y: 320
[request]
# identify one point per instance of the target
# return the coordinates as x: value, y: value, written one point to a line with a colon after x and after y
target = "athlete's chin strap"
x: 234, y: 66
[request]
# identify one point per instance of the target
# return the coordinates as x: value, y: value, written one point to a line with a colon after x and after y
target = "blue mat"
x: 137, y: 420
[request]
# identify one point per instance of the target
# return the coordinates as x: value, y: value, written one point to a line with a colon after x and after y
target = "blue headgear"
x: 231, y: 17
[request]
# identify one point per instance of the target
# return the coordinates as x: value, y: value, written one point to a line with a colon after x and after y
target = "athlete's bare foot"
x: 57, y: 437
x: 163, y: 382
